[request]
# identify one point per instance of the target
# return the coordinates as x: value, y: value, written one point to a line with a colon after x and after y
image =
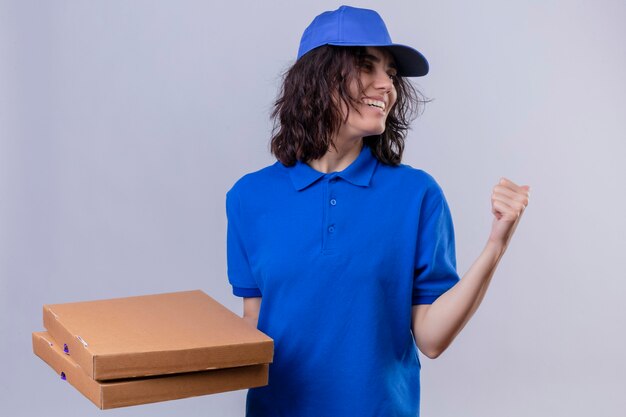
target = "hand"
x: 508, y: 202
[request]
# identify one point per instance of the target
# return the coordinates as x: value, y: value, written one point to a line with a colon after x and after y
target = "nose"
x: 383, y: 82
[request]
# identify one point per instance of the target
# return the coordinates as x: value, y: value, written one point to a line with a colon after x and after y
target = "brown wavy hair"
x: 306, y: 113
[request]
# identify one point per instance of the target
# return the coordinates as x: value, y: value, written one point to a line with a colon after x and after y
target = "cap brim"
x: 410, y: 62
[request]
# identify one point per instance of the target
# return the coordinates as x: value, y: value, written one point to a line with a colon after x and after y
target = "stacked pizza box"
x: 136, y: 350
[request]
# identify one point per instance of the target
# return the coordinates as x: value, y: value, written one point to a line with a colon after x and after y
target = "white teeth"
x: 375, y: 103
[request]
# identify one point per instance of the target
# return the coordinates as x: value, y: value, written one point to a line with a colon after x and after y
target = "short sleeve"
x: 238, y: 265
x: 435, y: 258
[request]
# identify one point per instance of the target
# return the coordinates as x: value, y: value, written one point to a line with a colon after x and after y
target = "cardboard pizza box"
x: 155, y: 335
x: 134, y: 391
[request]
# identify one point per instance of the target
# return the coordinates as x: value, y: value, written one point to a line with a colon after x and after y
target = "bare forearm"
x: 442, y: 321
x: 484, y: 269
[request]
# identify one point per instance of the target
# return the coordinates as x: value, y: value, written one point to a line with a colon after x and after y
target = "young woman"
x: 342, y: 254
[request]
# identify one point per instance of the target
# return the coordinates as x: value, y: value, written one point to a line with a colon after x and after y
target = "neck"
x: 339, y: 159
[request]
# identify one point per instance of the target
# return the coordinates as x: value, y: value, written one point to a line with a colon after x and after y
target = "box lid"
x: 155, y: 334
x: 134, y: 391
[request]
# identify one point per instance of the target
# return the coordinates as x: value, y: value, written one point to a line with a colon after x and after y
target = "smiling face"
x: 377, y: 72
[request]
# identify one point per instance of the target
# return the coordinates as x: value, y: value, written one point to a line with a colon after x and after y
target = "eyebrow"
x: 377, y: 59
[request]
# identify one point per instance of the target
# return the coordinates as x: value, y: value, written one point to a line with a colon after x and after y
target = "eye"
x: 366, y: 65
x: 393, y: 77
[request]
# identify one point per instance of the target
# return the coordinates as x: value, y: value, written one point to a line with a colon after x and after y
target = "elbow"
x: 433, y: 351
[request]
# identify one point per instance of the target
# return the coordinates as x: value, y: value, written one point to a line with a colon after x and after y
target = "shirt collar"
x: 359, y: 172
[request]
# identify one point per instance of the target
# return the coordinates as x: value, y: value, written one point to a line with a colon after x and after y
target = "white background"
x: 123, y: 124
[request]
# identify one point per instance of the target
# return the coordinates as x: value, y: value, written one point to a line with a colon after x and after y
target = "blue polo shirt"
x: 339, y: 259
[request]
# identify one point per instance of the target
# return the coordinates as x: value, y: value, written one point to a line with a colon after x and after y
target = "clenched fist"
x: 508, y: 202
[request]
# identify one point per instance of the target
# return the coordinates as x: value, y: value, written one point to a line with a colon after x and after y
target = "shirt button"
x: 333, y: 202
x: 333, y: 179
x: 331, y: 229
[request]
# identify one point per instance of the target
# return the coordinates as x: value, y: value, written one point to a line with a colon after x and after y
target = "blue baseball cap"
x: 352, y: 26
